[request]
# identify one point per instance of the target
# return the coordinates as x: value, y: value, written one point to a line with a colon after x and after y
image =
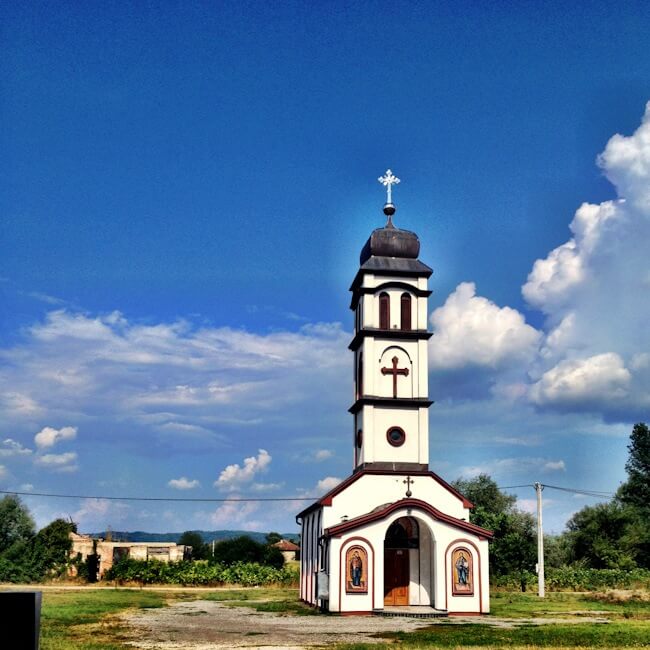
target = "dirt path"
x: 210, y: 625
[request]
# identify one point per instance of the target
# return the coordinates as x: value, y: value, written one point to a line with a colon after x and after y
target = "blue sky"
x: 184, y: 193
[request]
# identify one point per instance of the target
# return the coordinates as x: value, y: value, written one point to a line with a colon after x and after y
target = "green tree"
x: 246, y: 549
x: 556, y: 551
x: 50, y: 549
x: 16, y: 524
x: 200, y: 550
x: 273, y: 538
x: 636, y: 490
x: 513, y: 549
x: 597, y: 537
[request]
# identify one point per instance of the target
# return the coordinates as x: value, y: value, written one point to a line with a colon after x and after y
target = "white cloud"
x: 65, y: 462
x: 236, y: 514
x: 323, y: 454
x: 470, y: 330
x: 592, y: 290
x: 10, y: 447
x: 26, y: 487
x: 48, y: 436
x: 626, y: 162
x: 513, y: 466
x: 189, y: 380
x: 183, y: 483
x: 3, y: 472
x: 265, y: 487
x: 234, y: 476
x: 327, y: 483
x: 589, y: 381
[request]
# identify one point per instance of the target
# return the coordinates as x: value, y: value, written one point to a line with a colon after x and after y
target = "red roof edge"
x: 339, y: 529
x: 326, y: 499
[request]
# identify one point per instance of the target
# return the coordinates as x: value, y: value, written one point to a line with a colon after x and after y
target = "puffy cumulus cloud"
x: 592, y: 290
x: 326, y: 484
x: 10, y: 447
x: 66, y: 462
x: 554, y: 280
x: 470, y: 330
x: 48, y: 436
x: 626, y: 162
x: 584, y: 382
x: 183, y: 483
x: 237, y: 514
x: 235, y: 475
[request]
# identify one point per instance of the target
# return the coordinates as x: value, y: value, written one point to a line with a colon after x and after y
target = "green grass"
x: 628, y: 625
x: 81, y: 620
x: 589, y: 635
x: 519, y: 605
x: 86, y: 619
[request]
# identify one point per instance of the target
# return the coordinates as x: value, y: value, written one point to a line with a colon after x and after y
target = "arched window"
x: 360, y: 377
x: 406, y: 311
x: 384, y: 311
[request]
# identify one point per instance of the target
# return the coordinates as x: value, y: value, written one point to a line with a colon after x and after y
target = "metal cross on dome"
x: 388, y: 180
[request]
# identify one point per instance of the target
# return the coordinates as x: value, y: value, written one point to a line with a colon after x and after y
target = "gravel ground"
x: 210, y: 625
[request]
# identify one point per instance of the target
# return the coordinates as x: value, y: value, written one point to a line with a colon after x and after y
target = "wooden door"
x: 396, y: 576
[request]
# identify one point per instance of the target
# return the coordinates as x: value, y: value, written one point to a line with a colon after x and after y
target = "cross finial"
x: 408, y: 481
x: 388, y: 180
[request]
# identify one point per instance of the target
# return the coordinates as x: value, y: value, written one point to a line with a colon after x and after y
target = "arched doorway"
x: 402, y: 536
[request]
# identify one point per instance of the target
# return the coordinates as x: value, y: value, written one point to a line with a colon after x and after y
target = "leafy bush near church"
x: 570, y: 578
x: 246, y: 574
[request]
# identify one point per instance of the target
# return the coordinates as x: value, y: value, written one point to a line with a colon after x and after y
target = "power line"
x: 589, y: 493
x: 592, y: 493
x: 177, y: 499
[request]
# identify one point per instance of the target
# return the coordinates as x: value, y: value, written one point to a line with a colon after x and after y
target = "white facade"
x: 393, y: 533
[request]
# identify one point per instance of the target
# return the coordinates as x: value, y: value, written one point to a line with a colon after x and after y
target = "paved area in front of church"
x: 210, y: 625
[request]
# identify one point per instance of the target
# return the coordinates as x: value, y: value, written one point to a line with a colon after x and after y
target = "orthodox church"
x: 393, y: 534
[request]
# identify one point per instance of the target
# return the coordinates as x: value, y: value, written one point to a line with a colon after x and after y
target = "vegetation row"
x: 201, y: 573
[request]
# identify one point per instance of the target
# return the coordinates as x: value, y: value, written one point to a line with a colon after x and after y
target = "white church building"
x: 393, y: 534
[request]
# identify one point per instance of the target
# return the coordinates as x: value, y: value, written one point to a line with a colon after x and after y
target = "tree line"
x: 614, y: 535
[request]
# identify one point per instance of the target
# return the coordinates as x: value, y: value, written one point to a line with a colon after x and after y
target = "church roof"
x: 414, y: 504
x: 391, y: 242
x: 326, y: 499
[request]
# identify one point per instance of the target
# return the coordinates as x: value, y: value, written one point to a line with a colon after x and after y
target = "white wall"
x: 432, y: 563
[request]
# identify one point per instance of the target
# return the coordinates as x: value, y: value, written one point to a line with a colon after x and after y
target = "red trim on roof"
x: 336, y: 531
x: 326, y: 499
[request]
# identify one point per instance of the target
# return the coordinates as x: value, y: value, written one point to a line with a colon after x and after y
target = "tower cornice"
x: 391, y: 402
x: 391, y: 266
x: 391, y: 335
x: 420, y: 293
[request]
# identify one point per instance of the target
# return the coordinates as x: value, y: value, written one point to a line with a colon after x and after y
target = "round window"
x: 396, y: 436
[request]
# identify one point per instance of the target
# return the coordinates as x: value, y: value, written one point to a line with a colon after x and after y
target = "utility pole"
x: 540, y: 543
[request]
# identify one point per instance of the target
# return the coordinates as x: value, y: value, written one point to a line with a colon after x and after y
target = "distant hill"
x: 208, y: 535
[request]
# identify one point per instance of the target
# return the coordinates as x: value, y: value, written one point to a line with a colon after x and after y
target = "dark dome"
x: 391, y: 242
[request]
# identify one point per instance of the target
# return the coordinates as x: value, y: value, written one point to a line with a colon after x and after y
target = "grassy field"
x: 86, y: 619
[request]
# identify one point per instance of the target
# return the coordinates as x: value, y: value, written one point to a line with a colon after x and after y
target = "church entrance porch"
x: 407, y: 564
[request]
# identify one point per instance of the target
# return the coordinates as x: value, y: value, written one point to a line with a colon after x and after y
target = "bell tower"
x: 389, y: 300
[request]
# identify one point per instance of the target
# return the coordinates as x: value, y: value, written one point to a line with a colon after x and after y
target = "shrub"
x: 200, y: 572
